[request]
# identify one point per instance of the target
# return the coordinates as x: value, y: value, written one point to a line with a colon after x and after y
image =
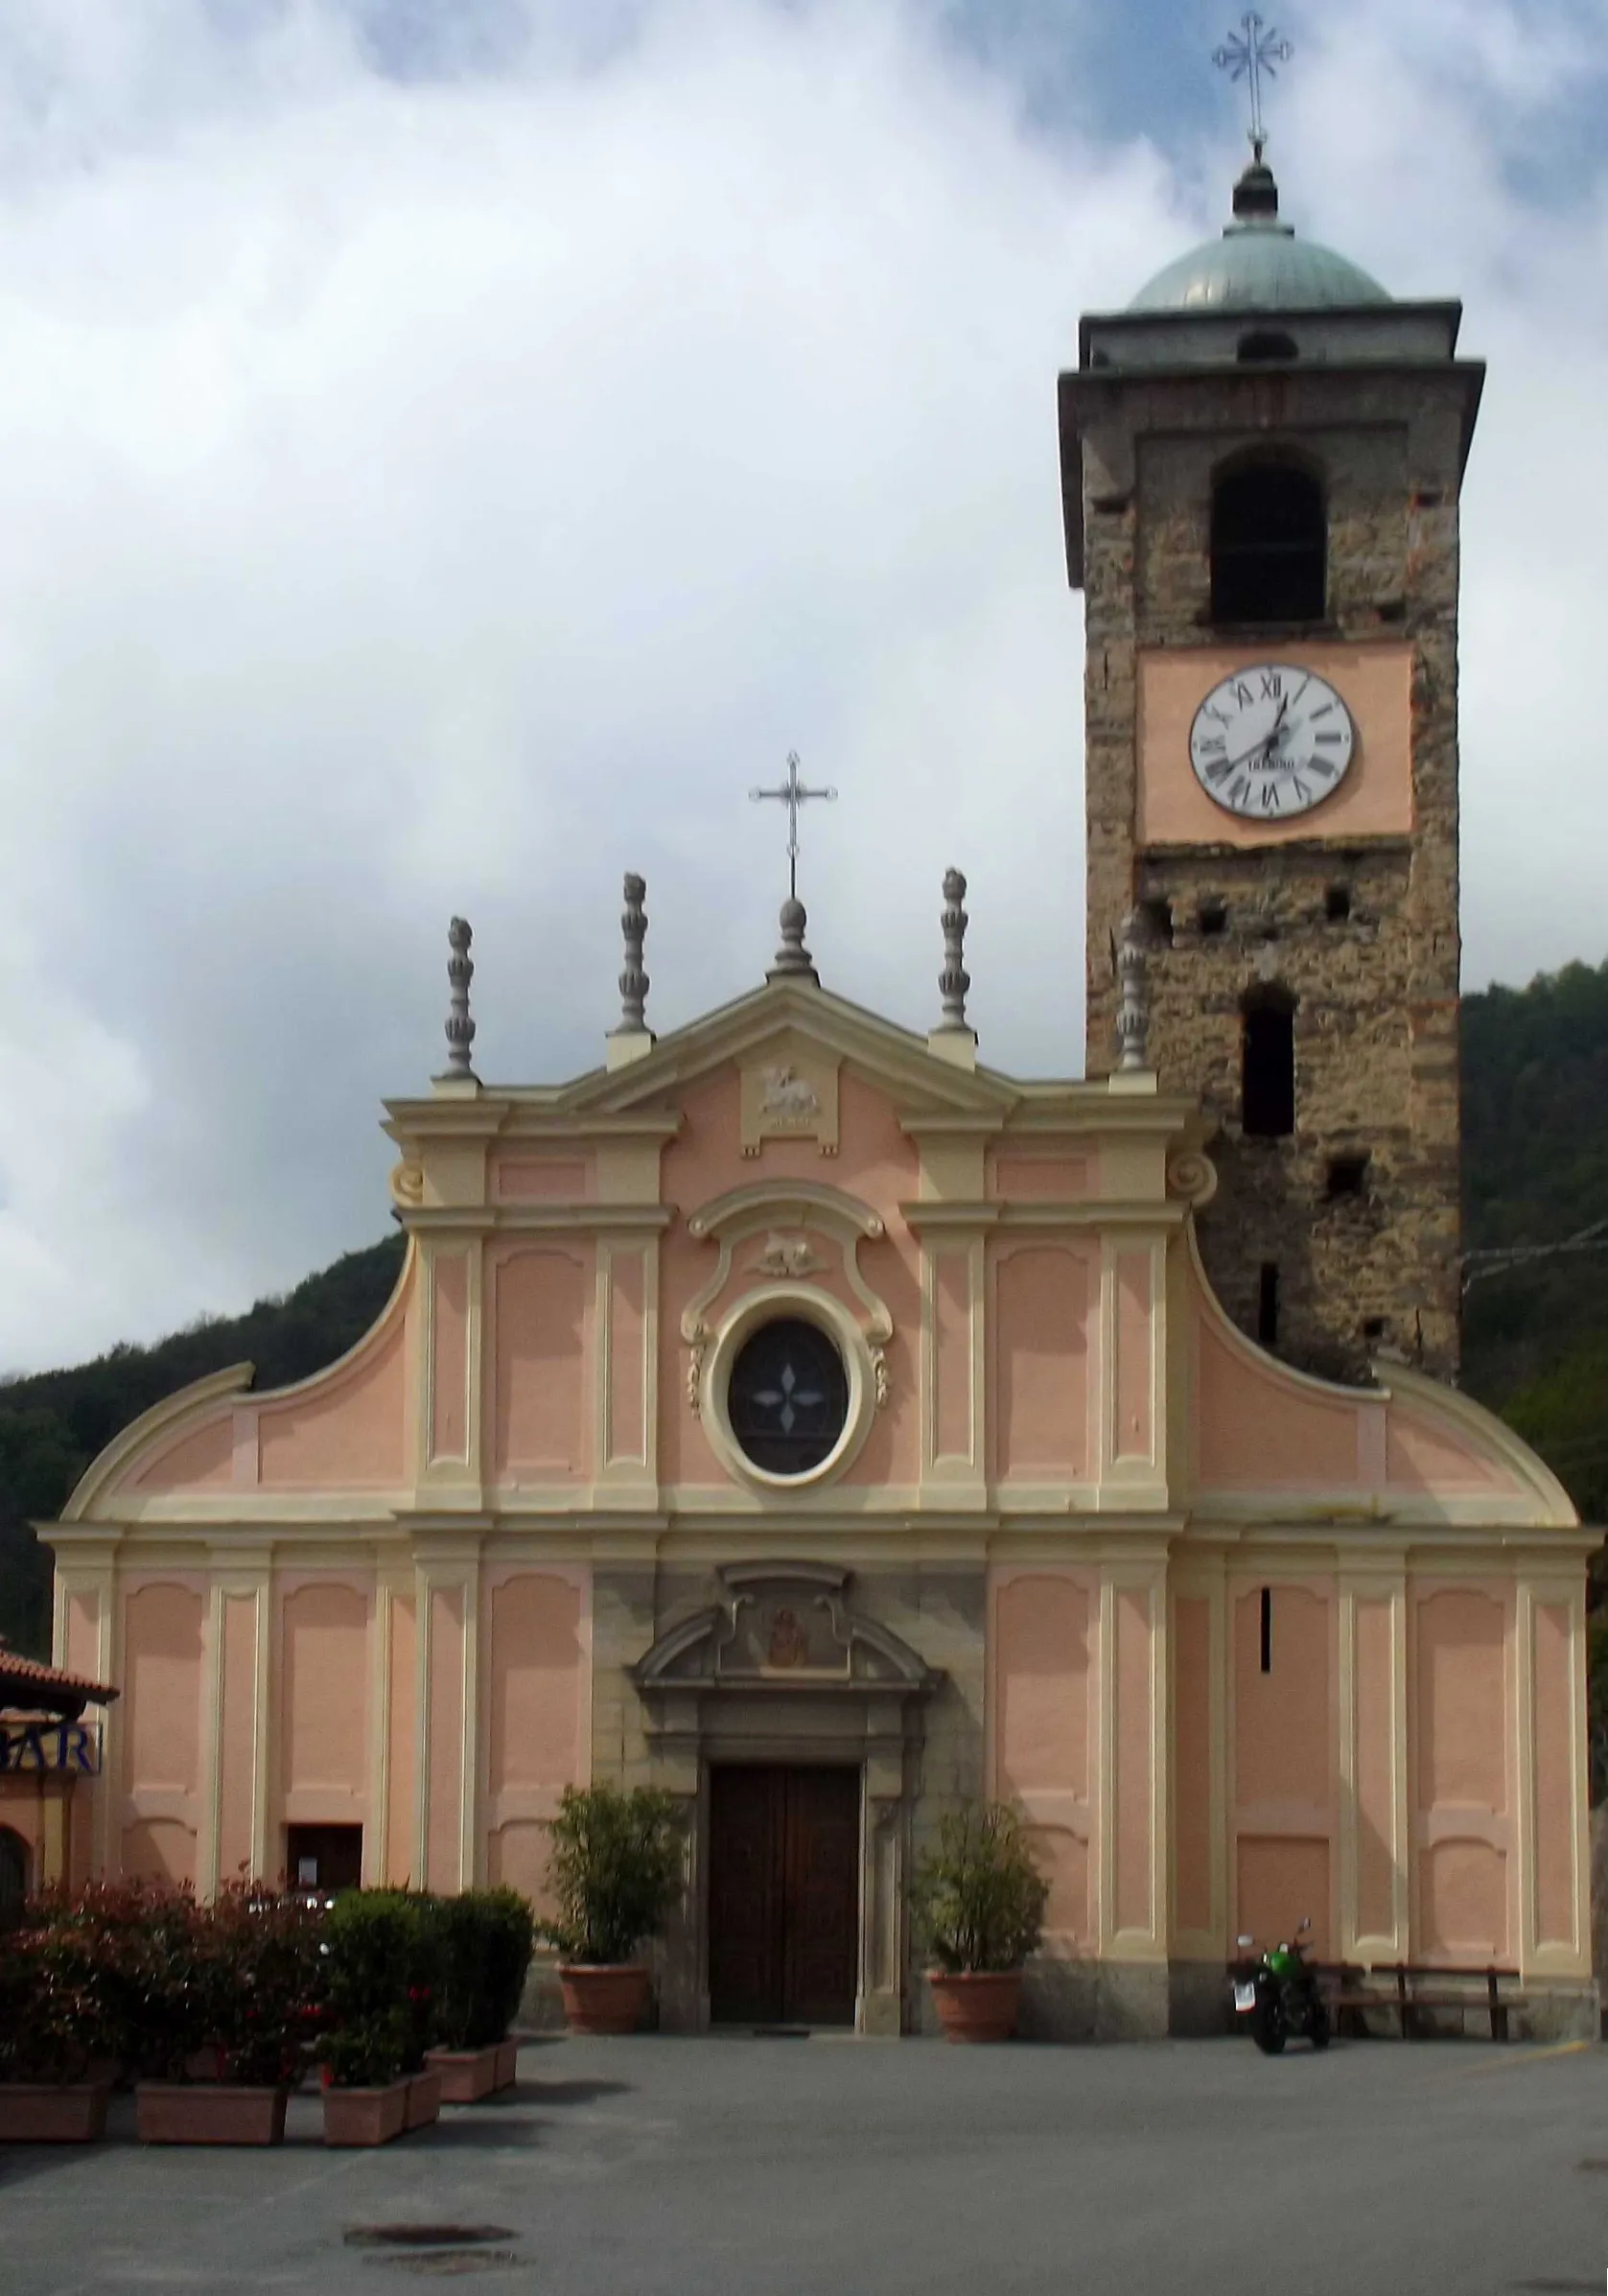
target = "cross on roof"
x: 1249, y: 54
x: 792, y: 794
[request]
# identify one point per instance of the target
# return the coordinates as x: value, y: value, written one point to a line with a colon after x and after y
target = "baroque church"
x: 800, y: 1415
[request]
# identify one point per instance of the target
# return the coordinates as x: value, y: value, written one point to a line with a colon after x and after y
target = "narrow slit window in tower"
x: 1267, y: 1304
x: 1267, y: 1066
x: 1266, y: 1629
x: 1269, y: 545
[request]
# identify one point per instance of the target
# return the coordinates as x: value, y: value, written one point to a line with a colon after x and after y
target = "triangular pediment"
x: 766, y: 1030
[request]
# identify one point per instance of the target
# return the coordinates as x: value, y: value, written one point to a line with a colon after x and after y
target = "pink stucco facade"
x: 1243, y: 1646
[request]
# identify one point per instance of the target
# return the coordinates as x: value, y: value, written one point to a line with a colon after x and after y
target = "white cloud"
x: 428, y: 496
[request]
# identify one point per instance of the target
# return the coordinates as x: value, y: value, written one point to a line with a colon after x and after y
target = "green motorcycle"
x: 1279, y: 1994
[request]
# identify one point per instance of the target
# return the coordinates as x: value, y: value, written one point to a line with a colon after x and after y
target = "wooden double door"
x: 785, y: 1894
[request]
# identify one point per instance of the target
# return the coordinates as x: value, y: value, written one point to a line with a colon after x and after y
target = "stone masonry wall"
x: 1376, y: 1016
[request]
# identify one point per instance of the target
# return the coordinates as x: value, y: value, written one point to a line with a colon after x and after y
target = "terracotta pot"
x: 365, y: 2116
x: 211, y: 2112
x: 976, y: 2005
x: 37, y: 2113
x: 424, y: 2099
x: 467, y: 2074
x: 507, y: 2064
x: 604, y: 1998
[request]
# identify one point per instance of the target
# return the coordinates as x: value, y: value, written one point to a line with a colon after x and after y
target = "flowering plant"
x: 262, y: 1978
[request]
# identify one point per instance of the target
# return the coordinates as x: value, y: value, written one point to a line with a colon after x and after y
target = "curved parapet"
x: 1266, y: 1439
x: 344, y: 1428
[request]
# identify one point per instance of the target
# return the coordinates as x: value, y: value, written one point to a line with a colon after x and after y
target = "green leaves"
x: 487, y: 1940
x: 614, y: 1869
x: 978, y: 1898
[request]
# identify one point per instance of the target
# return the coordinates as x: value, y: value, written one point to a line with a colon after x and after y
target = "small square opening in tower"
x: 1212, y: 917
x: 1155, y: 911
x: 1337, y: 903
x: 1348, y: 1176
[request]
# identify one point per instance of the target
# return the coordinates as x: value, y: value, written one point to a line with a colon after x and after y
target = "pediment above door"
x: 787, y: 1626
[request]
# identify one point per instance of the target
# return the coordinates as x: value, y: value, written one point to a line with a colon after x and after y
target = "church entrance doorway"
x: 783, y: 1893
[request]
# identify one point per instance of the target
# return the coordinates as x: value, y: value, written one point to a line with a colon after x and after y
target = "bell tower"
x: 1260, y: 462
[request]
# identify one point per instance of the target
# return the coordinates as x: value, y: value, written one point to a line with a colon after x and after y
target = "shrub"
x: 486, y: 1937
x: 613, y: 1869
x: 61, y: 2016
x: 978, y: 1898
x: 160, y: 1947
x: 263, y: 1975
x: 379, y: 1966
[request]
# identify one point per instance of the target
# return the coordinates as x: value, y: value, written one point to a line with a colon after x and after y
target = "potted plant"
x: 486, y: 1937
x: 59, y: 2031
x: 613, y: 1871
x: 171, y: 1989
x: 978, y: 1904
x: 378, y: 1952
x: 261, y: 1974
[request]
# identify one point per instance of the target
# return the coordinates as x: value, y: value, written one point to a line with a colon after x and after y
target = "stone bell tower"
x: 1261, y: 461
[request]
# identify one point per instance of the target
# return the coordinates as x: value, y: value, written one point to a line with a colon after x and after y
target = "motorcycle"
x: 1279, y: 1994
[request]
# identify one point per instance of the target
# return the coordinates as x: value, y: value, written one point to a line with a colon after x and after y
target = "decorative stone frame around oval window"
x: 777, y: 1302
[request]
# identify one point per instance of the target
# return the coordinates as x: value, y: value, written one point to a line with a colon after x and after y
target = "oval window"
x: 788, y: 1396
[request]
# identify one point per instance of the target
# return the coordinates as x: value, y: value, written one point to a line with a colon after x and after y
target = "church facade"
x: 798, y: 1415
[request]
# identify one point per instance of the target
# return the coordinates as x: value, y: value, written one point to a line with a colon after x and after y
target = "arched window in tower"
x: 1268, y: 1064
x: 1269, y: 545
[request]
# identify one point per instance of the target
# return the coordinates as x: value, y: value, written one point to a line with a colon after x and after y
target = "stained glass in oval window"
x: 788, y: 1396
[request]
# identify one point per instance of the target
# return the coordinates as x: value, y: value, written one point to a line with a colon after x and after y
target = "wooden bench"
x: 1351, y: 1990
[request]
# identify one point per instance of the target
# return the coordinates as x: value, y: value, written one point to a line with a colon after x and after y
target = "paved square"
x: 783, y: 2167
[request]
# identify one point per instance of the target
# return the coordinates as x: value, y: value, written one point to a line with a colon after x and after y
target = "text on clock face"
x: 1270, y: 741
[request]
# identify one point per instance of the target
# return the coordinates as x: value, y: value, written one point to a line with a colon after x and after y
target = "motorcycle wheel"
x: 1318, y: 2028
x: 1267, y: 2027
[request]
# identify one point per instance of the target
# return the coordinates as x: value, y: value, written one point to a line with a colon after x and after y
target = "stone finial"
x: 460, y: 1028
x: 633, y: 1038
x: 1132, y: 1012
x: 634, y: 981
x: 954, y: 980
x: 793, y: 959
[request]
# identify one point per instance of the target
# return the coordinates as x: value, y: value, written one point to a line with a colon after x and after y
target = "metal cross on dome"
x: 792, y: 794
x: 1247, y: 54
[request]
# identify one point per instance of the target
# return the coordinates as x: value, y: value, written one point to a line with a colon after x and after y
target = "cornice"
x: 591, y: 1217
x: 935, y: 1216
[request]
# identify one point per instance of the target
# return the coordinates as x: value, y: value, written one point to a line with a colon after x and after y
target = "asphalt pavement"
x: 831, y: 2166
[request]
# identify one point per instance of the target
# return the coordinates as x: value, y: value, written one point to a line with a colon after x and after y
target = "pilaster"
x: 1374, y: 1847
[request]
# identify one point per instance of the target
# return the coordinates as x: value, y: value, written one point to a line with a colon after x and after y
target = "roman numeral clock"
x: 1270, y: 741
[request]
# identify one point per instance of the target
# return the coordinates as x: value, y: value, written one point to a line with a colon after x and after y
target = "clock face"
x: 1272, y: 743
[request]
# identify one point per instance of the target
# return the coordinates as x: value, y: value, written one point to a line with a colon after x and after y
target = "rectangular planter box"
x: 424, y: 2101
x: 507, y: 2064
x: 365, y: 2116
x: 37, y: 2113
x: 467, y: 2074
x: 213, y: 2113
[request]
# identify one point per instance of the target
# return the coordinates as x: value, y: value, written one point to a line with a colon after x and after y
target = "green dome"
x: 1258, y: 265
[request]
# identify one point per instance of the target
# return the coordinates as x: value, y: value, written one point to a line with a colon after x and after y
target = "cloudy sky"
x: 450, y: 449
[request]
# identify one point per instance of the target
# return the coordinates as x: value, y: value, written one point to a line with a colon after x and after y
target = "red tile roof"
x: 30, y: 1683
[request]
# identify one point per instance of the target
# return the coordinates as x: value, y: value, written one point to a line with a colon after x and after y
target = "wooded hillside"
x: 1536, y: 1118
